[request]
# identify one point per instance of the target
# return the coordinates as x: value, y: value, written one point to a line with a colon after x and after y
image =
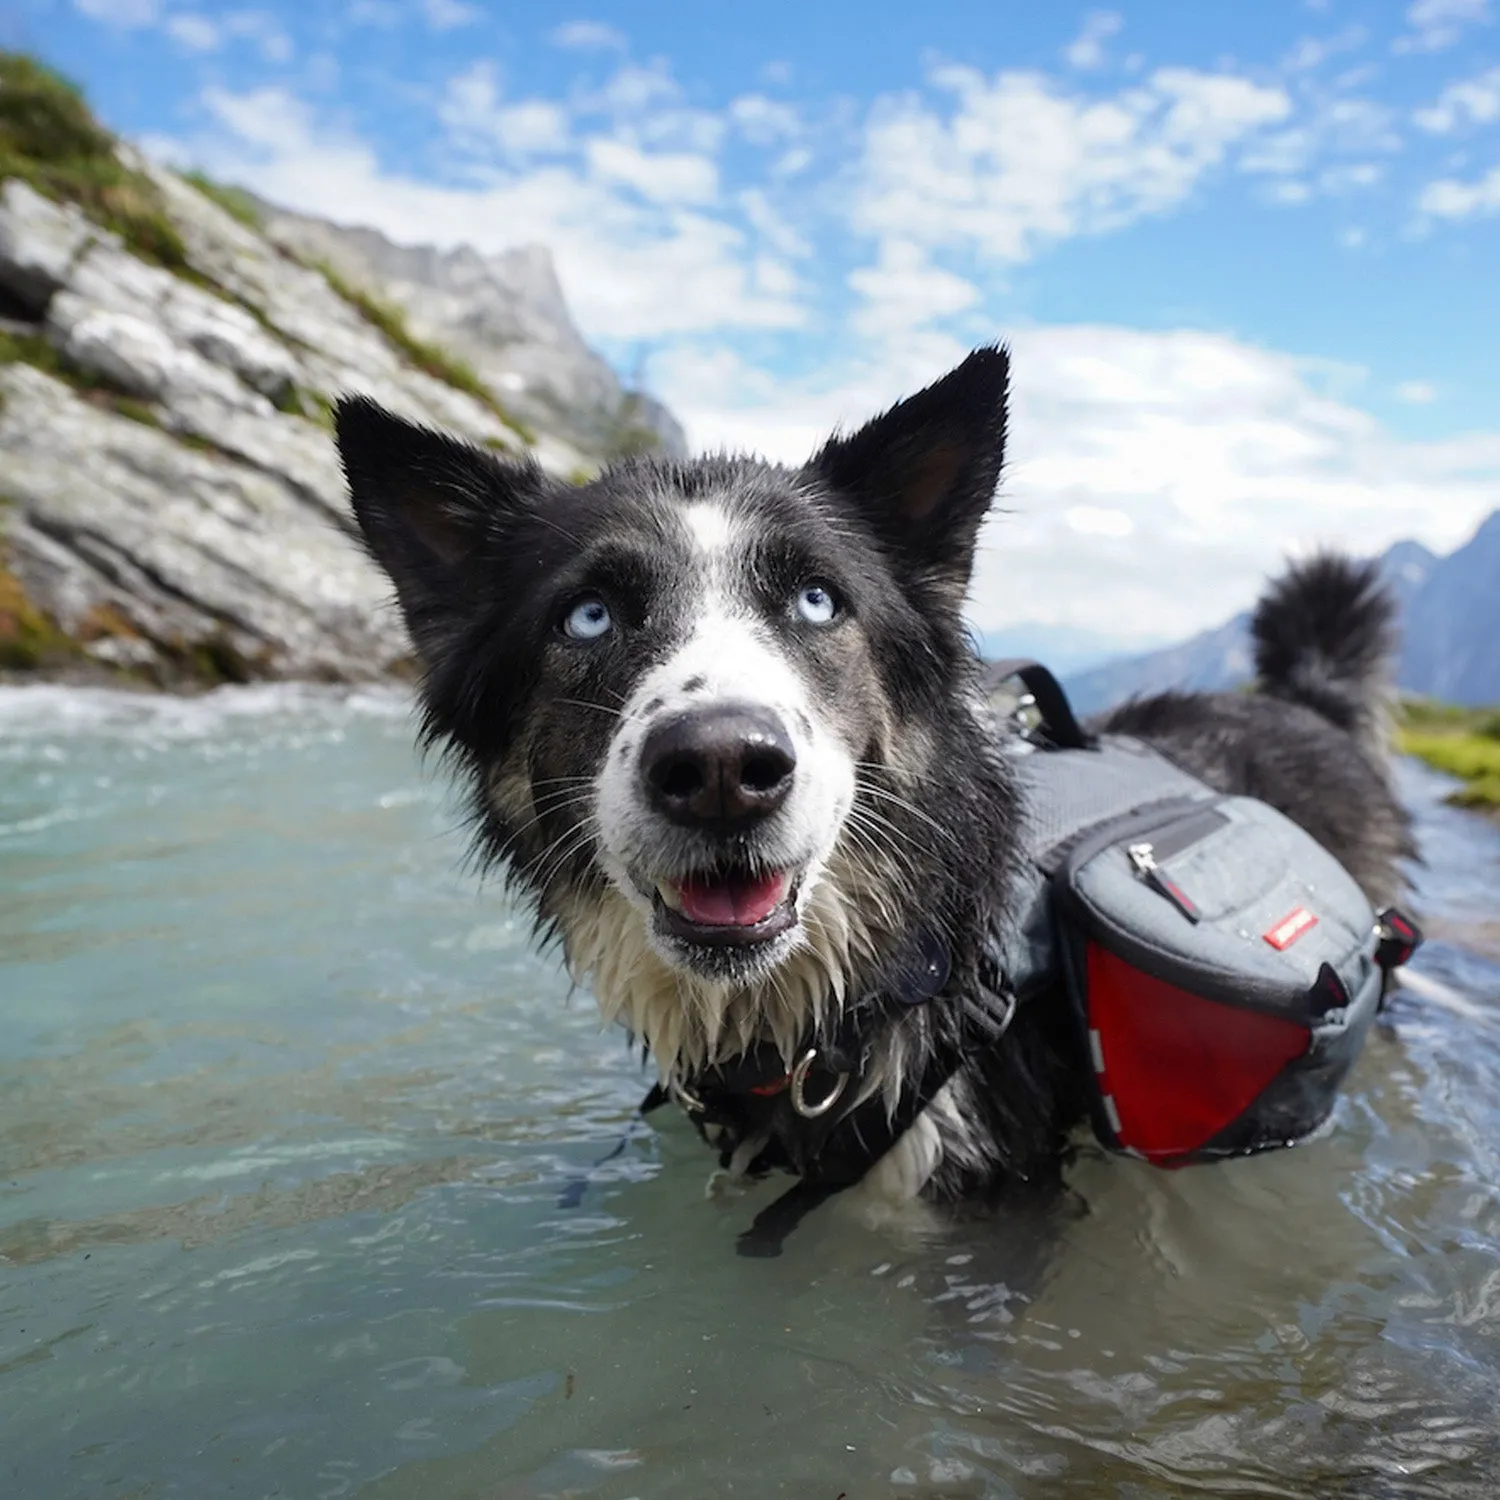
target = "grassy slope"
x: 49, y: 139
x: 1461, y: 742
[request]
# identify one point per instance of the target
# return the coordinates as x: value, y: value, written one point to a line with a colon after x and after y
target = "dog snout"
x: 724, y: 766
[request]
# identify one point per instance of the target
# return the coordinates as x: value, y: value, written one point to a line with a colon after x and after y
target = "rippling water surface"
x: 288, y: 1108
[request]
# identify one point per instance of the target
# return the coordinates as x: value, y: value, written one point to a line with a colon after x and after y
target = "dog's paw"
x: 724, y: 1182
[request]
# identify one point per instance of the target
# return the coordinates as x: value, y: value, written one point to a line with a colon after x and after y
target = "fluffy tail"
x: 1324, y: 635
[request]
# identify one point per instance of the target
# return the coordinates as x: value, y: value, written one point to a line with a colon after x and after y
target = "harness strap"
x: 1397, y: 938
x: 1059, y: 723
x: 874, y: 1131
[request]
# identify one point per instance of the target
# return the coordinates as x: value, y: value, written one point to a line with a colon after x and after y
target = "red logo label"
x: 1290, y: 928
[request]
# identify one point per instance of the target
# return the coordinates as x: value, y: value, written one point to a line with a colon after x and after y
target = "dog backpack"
x: 1223, y: 968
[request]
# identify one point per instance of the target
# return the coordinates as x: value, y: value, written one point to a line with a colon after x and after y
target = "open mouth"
x: 729, y: 907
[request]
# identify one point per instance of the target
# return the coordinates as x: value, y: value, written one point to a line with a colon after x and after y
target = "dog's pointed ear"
x: 924, y: 473
x: 430, y: 508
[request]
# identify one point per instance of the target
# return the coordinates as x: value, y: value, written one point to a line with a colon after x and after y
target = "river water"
x: 289, y: 1111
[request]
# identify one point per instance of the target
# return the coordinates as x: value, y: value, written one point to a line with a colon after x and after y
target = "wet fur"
x: 485, y: 555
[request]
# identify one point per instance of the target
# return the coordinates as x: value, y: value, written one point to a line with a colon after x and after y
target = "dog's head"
x: 704, y: 704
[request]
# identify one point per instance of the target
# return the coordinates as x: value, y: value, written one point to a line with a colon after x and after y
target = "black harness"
x: 825, y: 1118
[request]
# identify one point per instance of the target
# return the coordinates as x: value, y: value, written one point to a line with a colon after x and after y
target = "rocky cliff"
x: 171, y: 505
x: 506, y: 315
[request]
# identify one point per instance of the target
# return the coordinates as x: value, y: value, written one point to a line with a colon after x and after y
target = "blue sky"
x: 1244, y: 253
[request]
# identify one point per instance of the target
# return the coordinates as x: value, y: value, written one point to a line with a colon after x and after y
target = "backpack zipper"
x: 1143, y: 857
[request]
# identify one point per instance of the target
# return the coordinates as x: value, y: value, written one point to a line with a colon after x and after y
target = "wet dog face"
x: 684, y: 689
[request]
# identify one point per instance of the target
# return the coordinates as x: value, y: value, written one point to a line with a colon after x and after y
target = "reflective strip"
x: 1097, y: 1048
x: 1112, y: 1112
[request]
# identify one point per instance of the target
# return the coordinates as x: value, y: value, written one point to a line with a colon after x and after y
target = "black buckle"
x: 1397, y: 938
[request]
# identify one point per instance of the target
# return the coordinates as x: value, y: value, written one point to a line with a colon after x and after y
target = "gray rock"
x: 107, y: 284
x: 39, y: 243
x: 336, y: 349
x: 110, y: 520
x: 506, y: 315
x: 227, y: 335
x: 136, y: 353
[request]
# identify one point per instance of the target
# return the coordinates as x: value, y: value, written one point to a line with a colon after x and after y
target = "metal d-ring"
x: 1009, y: 1016
x: 799, y: 1080
x: 684, y: 1096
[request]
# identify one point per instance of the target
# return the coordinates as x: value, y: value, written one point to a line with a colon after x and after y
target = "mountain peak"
x: 1450, y: 612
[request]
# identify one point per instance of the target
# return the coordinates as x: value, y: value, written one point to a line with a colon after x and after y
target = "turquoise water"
x: 288, y: 1107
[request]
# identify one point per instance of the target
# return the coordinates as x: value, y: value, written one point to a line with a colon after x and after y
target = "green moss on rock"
x: 235, y: 202
x: 29, y: 641
x: 301, y: 401
x: 50, y: 139
x: 430, y: 358
x: 34, y: 350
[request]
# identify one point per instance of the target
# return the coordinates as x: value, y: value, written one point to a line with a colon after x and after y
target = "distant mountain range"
x: 1064, y: 648
x: 1450, y: 635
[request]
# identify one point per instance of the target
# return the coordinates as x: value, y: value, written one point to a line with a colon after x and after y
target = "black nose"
x: 726, y: 765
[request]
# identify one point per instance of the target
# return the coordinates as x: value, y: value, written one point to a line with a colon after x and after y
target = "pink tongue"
x: 732, y: 901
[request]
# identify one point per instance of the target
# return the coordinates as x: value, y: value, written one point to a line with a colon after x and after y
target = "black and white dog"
x: 723, y: 728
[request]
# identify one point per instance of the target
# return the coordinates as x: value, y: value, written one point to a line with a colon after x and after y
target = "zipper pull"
x: 1143, y: 858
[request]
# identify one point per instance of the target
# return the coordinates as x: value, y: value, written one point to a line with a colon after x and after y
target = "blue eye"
x: 816, y: 604
x: 588, y: 619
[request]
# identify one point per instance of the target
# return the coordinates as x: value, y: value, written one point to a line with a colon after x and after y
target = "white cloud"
x: 588, y: 36
x: 904, y: 290
x: 475, y: 117
x: 663, y: 177
x: 1153, y: 479
x: 533, y: 125
x: 1307, y: 153
x: 267, y: 119
x: 196, y: 33
x: 385, y: 14
x: 1290, y: 192
x: 1474, y: 101
x: 449, y: 15
x: 660, y: 260
x: 764, y: 218
x: 1348, y: 179
x: 129, y: 15
x: 633, y: 87
x: 262, y: 28
x: 1437, y: 24
x: 1096, y: 520
x: 764, y: 121
x: 439, y: 15
x: 792, y: 163
x: 1449, y: 198
x: 1014, y: 161
x: 1416, y: 392
x: 1313, y: 52
x: 1086, y: 50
